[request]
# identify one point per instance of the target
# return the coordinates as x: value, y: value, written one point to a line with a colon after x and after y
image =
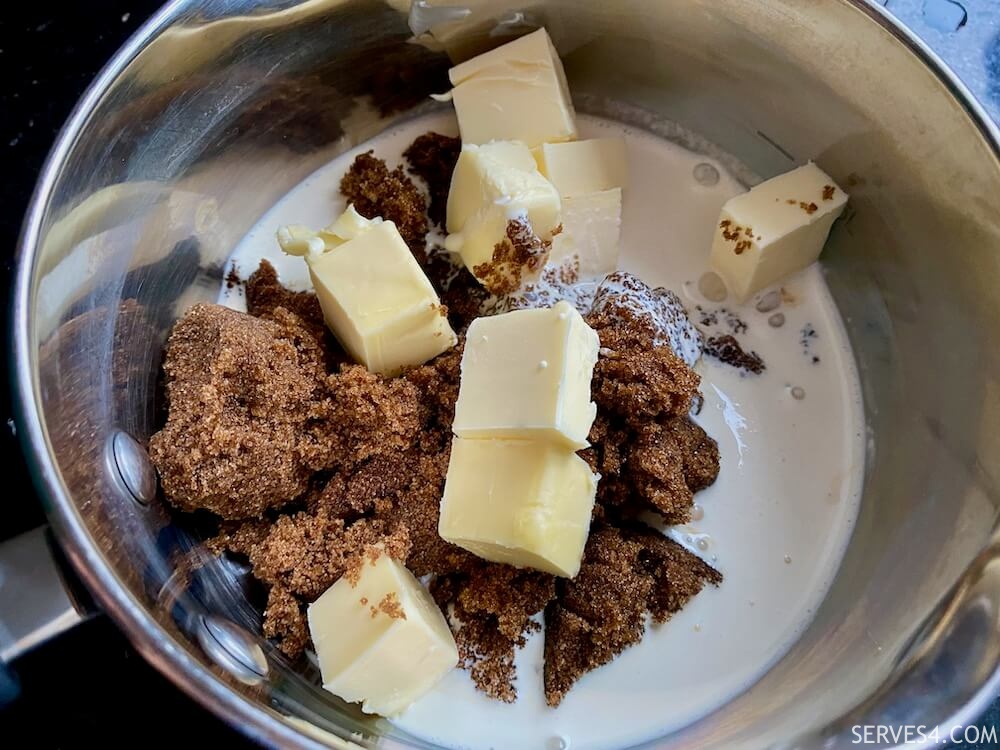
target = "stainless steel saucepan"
x: 216, y: 108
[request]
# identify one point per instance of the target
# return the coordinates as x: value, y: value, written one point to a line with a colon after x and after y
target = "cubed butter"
x: 493, y: 184
x: 526, y: 375
x: 518, y: 502
x: 374, y: 295
x: 591, y: 230
x: 380, y: 640
x: 581, y: 167
x: 775, y: 229
x: 514, y: 92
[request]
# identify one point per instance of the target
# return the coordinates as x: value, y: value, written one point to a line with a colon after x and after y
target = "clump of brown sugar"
x: 432, y: 157
x: 626, y: 572
x: 390, y: 606
x: 492, y: 608
x: 376, y: 191
x: 285, y: 621
x: 650, y: 455
x: 265, y: 294
x: 306, y: 553
x: 245, y: 401
x: 521, y: 253
x: 727, y: 349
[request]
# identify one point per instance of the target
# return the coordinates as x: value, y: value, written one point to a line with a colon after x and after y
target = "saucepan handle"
x: 37, y: 600
x: 948, y: 673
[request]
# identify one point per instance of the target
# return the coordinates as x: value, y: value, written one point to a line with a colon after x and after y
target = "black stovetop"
x: 88, y: 687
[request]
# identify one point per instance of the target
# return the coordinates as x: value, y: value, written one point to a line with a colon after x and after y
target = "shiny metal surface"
x: 233, y: 649
x: 129, y: 464
x: 215, y: 109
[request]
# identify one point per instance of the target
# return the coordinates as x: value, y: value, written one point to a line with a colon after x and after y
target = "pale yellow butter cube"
x: 591, y: 230
x: 526, y: 374
x: 514, y: 92
x: 492, y: 185
x: 380, y: 640
x: 518, y: 502
x: 775, y: 229
x: 374, y: 295
x: 581, y: 167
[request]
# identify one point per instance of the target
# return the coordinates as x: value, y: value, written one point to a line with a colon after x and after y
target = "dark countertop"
x: 89, y: 687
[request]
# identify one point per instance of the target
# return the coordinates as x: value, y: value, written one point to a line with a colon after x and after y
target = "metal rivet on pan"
x: 130, y: 467
x: 232, y: 648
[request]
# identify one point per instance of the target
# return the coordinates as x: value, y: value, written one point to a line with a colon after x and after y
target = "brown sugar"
x: 285, y: 621
x: 244, y: 397
x: 232, y: 278
x: 265, y: 294
x: 650, y: 455
x: 493, y: 609
x: 391, y: 606
x: 306, y: 553
x: 521, y: 253
x: 325, y: 466
x: 376, y: 191
x: 626, y: 572
x: 432, y: 157
x: 728, y: 350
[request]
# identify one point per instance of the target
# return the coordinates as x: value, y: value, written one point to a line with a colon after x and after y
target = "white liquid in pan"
x: 776, y: 522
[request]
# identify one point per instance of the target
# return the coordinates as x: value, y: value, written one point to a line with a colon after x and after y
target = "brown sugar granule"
x: 810, y: 208
x: 730, y: 233
x: 245, y: 396
x: 727, y: 350
x: 521, y: 253
x: 492, y: 607
x: 432, y: 157
x: 828, y: 191
x: 391, y: 606
x: 376, y: 191
x: 626, y: 572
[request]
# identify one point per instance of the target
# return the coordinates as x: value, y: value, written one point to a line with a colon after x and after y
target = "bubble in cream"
x: 788, y: 559
x: 798, y: 392
x: 705, y: 174
x: 777, y: 320
x: 712, y: 287
x: 697, y: 513
x: 703, y: 544
x: 557, y: 743
x: 770, y: 301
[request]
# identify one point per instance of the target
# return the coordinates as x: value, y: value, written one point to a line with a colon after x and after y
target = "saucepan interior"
x: 213, y: 111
